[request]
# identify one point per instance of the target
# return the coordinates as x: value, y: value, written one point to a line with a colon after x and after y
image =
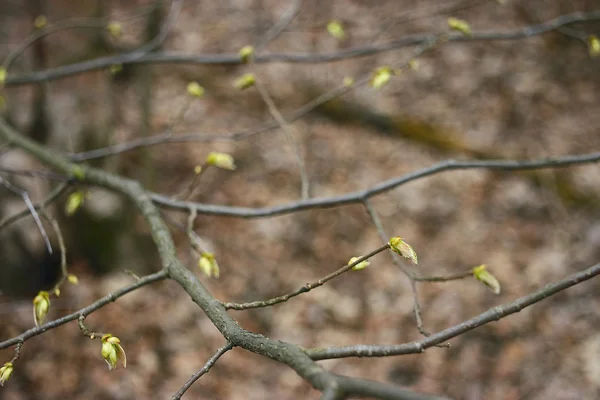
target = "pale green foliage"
x: 398, y: 245
x: 245, y: 81
x: 246, y: 53
x: 74, y: 202
x: 5, y: 372
x: 459, y: 25
x: 593, y: 46
x: 220, y: 160
x: 115, y: 29
x: 361, y: 265
x: 41, y: 305
x: 194, y: 89
x: 336, y: 30
x: 112, y: 351
x: 483, y: 275
x: 381, y: 76
x: 208, y: 264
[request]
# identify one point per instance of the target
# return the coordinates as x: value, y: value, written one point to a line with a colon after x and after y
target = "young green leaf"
x: 336, y: 30
x: 398, y: 245
x: 483, y: 275
x: 459, y: 25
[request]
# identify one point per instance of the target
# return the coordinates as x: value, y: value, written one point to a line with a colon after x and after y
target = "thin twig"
x: 382, y: 187
x: 304, y: 289
x: 27, y: 200
x: 493, y: 314
x: 209, y: 364
x: 56, y: 192
x: 167, y: 137
x: 277, y: 29
x: 157, y: 276
x: 359, y: 51
x: 289, y: 135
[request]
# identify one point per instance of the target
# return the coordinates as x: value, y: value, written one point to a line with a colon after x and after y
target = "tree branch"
x: 382, y: 187
x: 358, y: 51
x: 493, y: 314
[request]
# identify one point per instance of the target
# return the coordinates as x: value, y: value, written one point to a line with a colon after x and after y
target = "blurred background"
x: 523, y: 99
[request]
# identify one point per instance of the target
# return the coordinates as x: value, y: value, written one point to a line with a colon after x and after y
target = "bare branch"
x: 304, y: 289
x: 289, y: 135
x: 25, y: 196
x: 359, y: 51
x: 493, y: 314
x: 58, y: 190
x: 382, y: 187
x: 279, y: 27
x: 209, y: 364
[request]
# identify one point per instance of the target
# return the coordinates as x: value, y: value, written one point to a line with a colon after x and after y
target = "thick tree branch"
x: 286, y: 353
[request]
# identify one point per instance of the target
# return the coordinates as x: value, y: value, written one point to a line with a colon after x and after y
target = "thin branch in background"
x: 304, y: 289
x: 54, y: 194
x: 278, y: 28
x: 63, y: 251
x: 159, y: 39
x: 166, y: 137
x: 209, y: 364
x: 382, y: 187
x: 493, y: 314
x: 86, y: 23
x: 399, y: 263
x: 48, y: 175
x: 141, y: 56
x: 289, y: 135
x: 25, y: 196
x: 426, y: 12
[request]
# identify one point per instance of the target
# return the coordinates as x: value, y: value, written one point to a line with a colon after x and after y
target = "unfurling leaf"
x: 41, y: 305
x: 220, y: 160
x: 336, y: 30
x: 398, y: 245
x: 3, y: 74
x: 593, y: 46
x: 112, y: 351
x: 483, y: 275
x: 245, y: 81
x: 208, y: 265
x: 74, y: 202
x: 459, y: 25
x: 361, y: 265
x: 194, y: 89
x: 381, y: 76
x: 115, y: 29
x: 5, y: 372
x: 73, y: 280
x: 246, y: 53
x: 115, y: 69
x: 40, y: 21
